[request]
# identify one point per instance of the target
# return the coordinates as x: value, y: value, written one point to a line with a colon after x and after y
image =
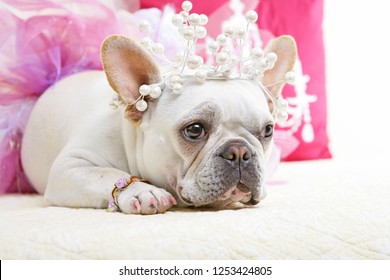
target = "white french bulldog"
x: 207, y: 146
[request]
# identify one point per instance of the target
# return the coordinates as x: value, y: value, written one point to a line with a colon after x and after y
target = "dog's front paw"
x: 143, y: 198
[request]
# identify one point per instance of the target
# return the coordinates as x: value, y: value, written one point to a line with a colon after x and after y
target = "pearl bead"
x: 203, y: 19
x: 175, y: 80
x: 186, y: 6
x: 251, y: 16
x: 144, y: 26
x: 155, y: 92
x: 141, y: 105
x: 222, y: 58
x: 256, y: 75
x: 257, y: 53
x: 260, y: 77
x: 213, y: 46
x: 177, y: 20
x: 146, y: 43
x: 179, y: 57
x: 282, y: 116
x: 289, y: 77
x: 233, y: 59
x: 177, y: 88
x: 271, y: 57
x: 194, y: 19
x: 188, y: 33
x: 282, y: 104
x: 264, y: 63
x: 184, y: 15
x: 200, y: 32
x: 241, y: 33
x: 200, y: 76
x: 194, y: 62
x: 247, y: 68
x: 158, y: 48
x: 144, y: 90
x: 221, y: 39
x: 229, y: 32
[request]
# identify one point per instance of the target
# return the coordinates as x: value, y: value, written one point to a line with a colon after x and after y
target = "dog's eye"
x: 194, y: 131
x: 269, y: 130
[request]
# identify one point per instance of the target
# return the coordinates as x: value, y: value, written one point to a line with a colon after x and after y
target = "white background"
x: 357, y: 49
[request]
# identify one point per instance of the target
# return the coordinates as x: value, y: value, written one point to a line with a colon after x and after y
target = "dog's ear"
x: 128, y: 66
x: 286, y: 51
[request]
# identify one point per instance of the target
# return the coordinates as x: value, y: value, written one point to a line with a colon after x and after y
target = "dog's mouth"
x: 238, y: 193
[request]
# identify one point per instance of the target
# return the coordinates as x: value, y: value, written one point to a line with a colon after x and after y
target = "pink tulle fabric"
x: 42, y: 41
x: 61, y: 38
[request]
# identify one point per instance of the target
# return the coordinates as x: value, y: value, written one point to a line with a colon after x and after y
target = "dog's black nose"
x: 237, y: 152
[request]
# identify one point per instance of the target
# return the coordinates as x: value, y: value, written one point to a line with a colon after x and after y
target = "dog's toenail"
x: 164, y: 202
x: 137, y: 206
x: 173, y: 200
x: 153, y: 202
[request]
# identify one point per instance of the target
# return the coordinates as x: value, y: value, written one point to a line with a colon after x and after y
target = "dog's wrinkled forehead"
x: 239, y: 100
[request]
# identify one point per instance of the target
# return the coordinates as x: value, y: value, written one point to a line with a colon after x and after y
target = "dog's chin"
x: 235, y: 197
x: 232, y: 204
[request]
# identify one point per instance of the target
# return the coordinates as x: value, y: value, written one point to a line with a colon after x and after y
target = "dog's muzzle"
x: 233, y: 174
x: 238, y: 156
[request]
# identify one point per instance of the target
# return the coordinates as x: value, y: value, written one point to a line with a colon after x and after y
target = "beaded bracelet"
x: 121, y: 185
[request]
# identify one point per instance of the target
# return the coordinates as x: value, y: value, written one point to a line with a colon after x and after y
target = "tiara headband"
x: 227, y: 53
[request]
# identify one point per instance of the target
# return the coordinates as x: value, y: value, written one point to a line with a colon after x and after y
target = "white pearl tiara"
x: 227, y: 56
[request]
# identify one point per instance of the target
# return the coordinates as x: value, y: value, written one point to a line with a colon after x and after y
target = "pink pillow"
x: 303, y: 20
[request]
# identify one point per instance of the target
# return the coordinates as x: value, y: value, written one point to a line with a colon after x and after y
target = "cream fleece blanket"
x: 318, y: 210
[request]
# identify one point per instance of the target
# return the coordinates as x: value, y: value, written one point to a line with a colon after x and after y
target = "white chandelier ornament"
x: 227, y: 53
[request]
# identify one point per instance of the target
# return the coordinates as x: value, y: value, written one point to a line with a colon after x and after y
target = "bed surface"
x: 314, y: 210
